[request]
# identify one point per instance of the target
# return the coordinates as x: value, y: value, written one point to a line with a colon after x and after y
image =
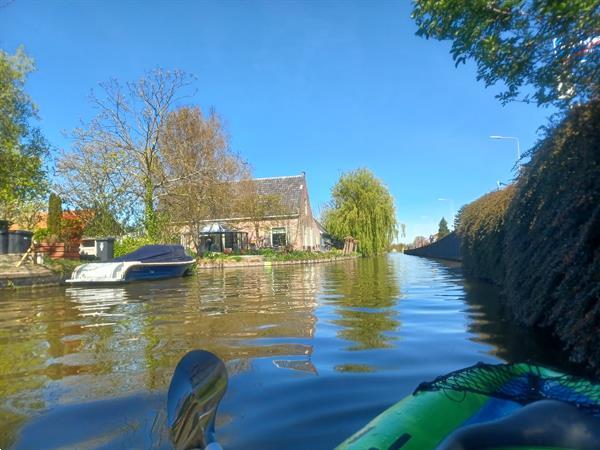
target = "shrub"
x: 130, y: 243
x: 41, y: 235
x: 71, y: 229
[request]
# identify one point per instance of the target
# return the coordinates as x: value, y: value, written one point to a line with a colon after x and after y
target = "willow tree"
x: 363, y: 208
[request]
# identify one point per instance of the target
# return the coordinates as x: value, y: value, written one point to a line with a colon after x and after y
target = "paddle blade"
x: 197, y: 386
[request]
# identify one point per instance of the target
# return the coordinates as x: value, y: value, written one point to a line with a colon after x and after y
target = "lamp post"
x: 514, y: 139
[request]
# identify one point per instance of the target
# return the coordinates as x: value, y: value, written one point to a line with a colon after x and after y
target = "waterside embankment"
x: 258, y: 260
x: 26, y: 275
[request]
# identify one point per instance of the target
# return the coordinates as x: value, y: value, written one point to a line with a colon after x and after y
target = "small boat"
x: 150, y: 262
x: 490, y: 407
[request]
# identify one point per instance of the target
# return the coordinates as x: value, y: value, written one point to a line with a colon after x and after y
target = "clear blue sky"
x: 321, y: 87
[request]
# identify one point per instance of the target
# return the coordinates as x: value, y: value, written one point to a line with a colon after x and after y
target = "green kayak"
x: 505, y: 406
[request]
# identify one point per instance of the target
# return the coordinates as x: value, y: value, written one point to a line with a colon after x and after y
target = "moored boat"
x: 150, y: 262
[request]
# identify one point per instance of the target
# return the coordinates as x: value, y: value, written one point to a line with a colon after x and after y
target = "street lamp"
x: 514, y: 139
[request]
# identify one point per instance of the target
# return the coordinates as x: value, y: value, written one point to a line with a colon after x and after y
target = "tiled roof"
x: 289, y: 189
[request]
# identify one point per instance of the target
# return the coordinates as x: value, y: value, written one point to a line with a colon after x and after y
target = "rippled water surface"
x: 313, y: 351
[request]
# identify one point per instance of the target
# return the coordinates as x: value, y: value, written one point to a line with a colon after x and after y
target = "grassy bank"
x: 540, y: 239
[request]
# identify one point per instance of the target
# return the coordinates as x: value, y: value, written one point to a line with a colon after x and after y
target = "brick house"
x: 292, y: 226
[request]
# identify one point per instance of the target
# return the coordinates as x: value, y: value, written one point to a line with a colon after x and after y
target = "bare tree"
x: 127, y: 132
x: 420, y: 241
x: 92, y: 178
x: 199, y: 170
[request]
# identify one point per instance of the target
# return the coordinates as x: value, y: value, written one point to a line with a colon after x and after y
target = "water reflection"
x: 366, y: 293
x: 313, y: 351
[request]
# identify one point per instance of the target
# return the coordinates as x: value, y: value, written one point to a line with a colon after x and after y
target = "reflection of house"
x: 286, y: 222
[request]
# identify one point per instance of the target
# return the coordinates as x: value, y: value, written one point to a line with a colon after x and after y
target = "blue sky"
x: 321, y: 87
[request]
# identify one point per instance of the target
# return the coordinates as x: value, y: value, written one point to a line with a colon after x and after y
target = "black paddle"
x: 197, y: 386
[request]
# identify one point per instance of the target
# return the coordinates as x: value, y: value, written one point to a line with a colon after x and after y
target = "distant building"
x: 287, y: 223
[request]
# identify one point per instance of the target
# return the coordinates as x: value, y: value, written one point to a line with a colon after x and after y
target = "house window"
x: 278, y: 237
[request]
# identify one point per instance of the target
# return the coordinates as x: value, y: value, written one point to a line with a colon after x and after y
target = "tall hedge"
x: 480, y: 226
x: 552, y: 243
x: 540, y: 238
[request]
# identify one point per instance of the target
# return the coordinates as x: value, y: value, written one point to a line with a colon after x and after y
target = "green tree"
x: 363, y: 208
x: 102, y: 223
x: 550, y: 46
x: 443, y: 230
x: 54, y: 214
x: 22, y: 146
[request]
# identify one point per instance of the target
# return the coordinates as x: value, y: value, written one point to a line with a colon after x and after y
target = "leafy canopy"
x: 363, y: 208
x: 22, y: 146
x: 552, y: 46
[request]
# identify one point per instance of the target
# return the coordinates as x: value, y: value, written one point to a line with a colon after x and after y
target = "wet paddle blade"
x: 197, y: 386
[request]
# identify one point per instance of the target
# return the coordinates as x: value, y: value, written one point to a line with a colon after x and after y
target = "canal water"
x: 313, y: 351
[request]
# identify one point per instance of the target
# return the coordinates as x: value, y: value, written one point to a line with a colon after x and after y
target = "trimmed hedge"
x: 552, y: 242
x: 480, y: 227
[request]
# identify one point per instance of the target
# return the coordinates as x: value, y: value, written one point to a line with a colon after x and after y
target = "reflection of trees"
x: 249, y: 313
x: 63, y: 346
x: 367, y: 289
x: 31, y: 350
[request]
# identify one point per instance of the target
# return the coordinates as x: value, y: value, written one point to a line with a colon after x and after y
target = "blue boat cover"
x: 156, y: 254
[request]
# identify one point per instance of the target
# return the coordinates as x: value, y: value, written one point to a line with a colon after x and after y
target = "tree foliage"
x: 122, y: 145
x: 23, y: 149
x: 443, y: 230
x: 198, y: 169
x: 102, y: 223
x: 550, y: 46
x: 363, y: 208
x: 92, y: 180
x: 54, y: 214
